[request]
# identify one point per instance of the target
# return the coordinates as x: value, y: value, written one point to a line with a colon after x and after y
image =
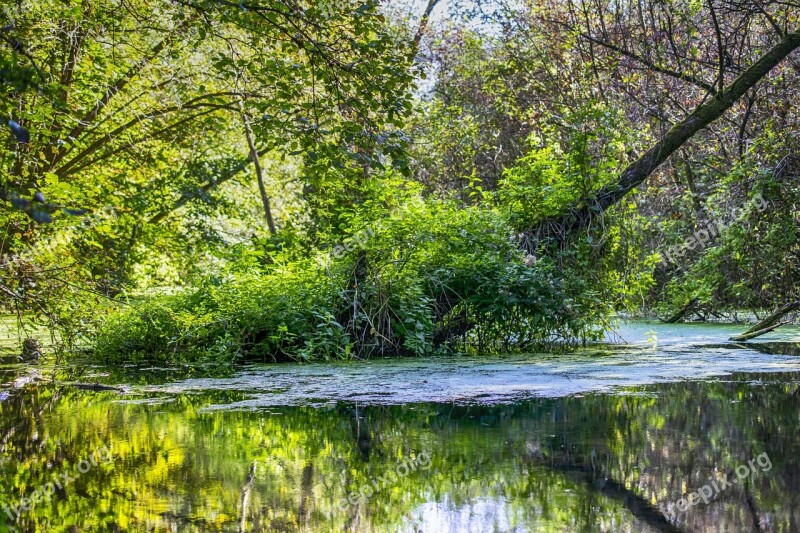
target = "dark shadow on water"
x: 773, y: 348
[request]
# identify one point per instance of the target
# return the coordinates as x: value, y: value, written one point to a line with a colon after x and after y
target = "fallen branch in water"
x: 758, y: 333
x: 96, y: 387
x: 770, y: 323
x: 681, y: 314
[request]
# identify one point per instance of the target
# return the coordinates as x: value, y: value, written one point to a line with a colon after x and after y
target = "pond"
x: 675, y: 430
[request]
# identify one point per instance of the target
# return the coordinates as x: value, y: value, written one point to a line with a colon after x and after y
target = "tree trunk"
x: 680, y: 315
x: 248, y: 131
x: 770, y: 323
x: 580, y: 215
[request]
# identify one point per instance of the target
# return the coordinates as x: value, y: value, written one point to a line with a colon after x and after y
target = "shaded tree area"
x: 296, y: 180
x: 142, y: 116
x: 559, y: 108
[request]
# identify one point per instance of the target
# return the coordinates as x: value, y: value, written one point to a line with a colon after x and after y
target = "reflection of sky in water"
x: 479, y: 516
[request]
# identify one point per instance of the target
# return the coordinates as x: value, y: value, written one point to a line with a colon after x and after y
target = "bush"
x: 429, y: 277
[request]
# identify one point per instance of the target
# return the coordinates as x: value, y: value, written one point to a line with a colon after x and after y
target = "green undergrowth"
x: 428, y: 278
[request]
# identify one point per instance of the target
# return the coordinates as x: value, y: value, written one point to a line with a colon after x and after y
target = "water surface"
x: 607, y: 439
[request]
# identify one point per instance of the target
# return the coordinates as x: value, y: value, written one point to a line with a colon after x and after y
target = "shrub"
x: 427, y: 278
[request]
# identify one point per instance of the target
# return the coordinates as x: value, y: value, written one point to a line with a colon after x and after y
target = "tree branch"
x: 251, y: 145
x: 580, y: 215
x: 720, y: 48
x: 232, y: 173
x: 423, y: 23
x: 119, y: 85
x: 652, y: 66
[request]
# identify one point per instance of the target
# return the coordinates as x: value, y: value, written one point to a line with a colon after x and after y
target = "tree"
x: 721, y: 97
x: 123, y: 103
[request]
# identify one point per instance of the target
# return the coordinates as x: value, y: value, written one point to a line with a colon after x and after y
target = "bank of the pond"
x: 436, y: 277
x: 637, y: 353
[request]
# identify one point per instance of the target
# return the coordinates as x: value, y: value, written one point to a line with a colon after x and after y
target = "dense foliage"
x: 428, y: 277
x: 296, y: 180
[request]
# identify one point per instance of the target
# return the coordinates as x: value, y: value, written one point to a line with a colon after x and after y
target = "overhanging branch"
x: 580, y: 215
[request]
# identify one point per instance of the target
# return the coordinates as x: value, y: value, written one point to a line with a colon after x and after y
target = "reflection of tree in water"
x: 663, y: 447
x: 362, y: 433
x: 772, y: 348
x: 581, y: 463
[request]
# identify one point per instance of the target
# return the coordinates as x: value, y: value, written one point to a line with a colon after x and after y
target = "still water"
x: 609, y: 439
